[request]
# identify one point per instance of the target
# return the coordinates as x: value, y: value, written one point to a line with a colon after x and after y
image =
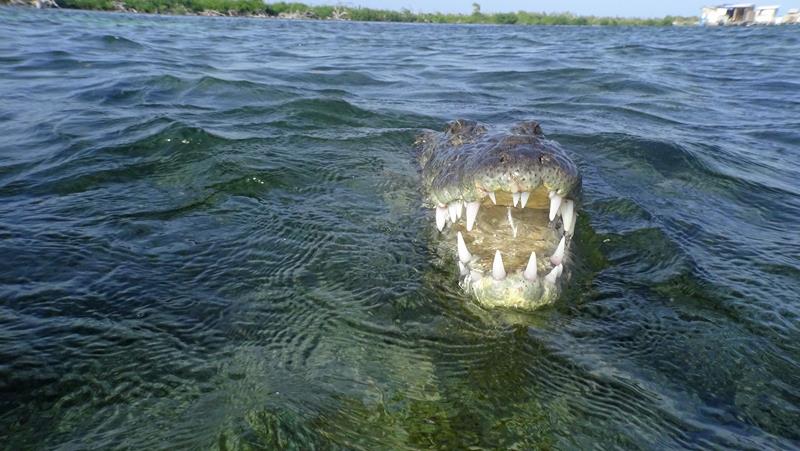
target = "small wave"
x: 159, y: 151
x: 635, y: 86
x: 169, y: 89
x: 666, y: 157
x: 50, y: 60
x: 336, y: 78
x: 118, y: 42
x: 315, y: 113
x: 646, y: 256
x: 646, y: 50
x: 571, y: 73
x: 9, y: 61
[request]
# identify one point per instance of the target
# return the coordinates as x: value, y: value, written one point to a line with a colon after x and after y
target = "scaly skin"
x: 464, y: 165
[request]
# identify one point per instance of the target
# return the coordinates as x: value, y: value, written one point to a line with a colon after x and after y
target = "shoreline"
x: 298, y: 11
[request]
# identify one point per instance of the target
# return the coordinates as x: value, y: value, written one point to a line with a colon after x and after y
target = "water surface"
x: 211, y: 237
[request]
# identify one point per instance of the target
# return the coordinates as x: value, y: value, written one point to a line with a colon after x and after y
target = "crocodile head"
x: 504, y: 203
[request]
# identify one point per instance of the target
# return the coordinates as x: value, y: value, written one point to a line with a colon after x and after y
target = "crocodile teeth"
x: 441, y: 217
x: 555, y: 204
x: 498, y: 271
x: 523, y: 199
x: 463, y: 253
x: 515, y: 197
x: 530, y: 271
x: 511, y: 223
x: 453, y: 208
x: 571, y: 229
x: 554, y: 274
x: 493, y: 197
x: 472, y: 213
x: 558, y: 255
x: 567, y: 213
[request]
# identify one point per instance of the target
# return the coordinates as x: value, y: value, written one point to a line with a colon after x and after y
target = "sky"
x: 622, y: 8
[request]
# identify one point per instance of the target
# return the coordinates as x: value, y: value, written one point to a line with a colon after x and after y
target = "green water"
x: 211, y: 236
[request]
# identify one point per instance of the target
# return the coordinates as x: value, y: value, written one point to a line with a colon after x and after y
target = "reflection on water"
x: 211, y: 236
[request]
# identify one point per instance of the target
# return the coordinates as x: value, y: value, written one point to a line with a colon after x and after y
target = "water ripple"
x: 212, y: 237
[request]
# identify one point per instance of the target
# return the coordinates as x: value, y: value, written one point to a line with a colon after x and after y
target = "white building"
x: 713, y: 15
x: 792, y: 16
x: 739, y: 14
x: 766, y: 15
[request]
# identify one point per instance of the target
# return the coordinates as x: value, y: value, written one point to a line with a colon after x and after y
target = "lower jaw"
x: 512, y: 292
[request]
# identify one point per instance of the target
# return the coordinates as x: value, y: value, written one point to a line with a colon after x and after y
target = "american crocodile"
x: 505, y: 204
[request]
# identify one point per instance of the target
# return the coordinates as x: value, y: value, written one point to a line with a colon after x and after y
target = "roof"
x: 737, y: 5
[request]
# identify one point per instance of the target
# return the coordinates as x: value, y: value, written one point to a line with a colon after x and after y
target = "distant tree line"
x: 257, y: 7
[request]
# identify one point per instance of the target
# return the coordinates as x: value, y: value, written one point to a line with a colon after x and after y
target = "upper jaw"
x: 517, y: 164
x: 555, y: 204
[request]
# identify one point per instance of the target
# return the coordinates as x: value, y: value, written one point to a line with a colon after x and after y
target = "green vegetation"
x: 257, y: 7
x: 234, y: 7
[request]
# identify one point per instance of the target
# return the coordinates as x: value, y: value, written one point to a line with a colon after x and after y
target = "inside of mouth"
x: 514, y: 231
x: 508, y: 238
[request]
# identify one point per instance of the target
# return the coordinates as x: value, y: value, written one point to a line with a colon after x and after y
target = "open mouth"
x: 511, y: 248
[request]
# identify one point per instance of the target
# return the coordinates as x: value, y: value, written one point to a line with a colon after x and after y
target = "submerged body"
x: 505, y: 206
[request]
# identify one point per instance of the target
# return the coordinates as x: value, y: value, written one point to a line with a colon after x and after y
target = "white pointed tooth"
x: 441, y: 217
x: 463, y: 253
x: 558, y: 255
x: 515, y: 197
x: 554, y: 274
x: 567, y: 212
x: 571, y: 230
x: 555, y: 204
x: 493, y: 197
x: 523, y: 199
x: 511, y: 223
x: 498, y: 271
x: 472, y: 213
x: 453, y: 208
x: 530, y: 271
x: 459, y: 210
